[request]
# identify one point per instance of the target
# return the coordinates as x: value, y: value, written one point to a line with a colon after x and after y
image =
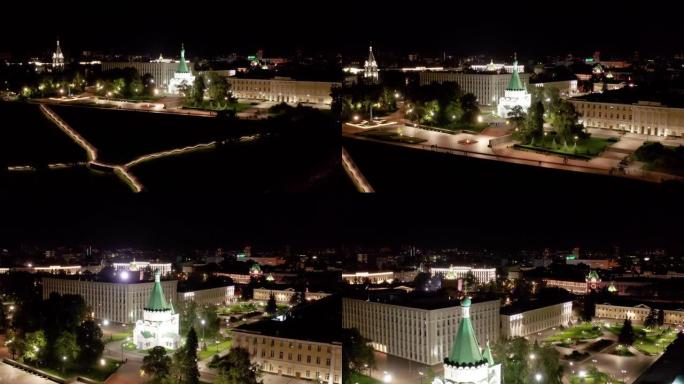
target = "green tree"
x: 661, y: 317
x: 470, y: 108
x: 198, y: 88
x: 191, y: 374
x: 513, y: 355
x: 271, y: 306
x: 564, y: 120
x: 297, y: 298
x: 89, y: 337
x: 35, y: 347
x: 218, y: 87
x: 470, y: 282
x: 589, y: 308
x: 157, y: 364
x: 188, y: 316
x: 651, y: 320
x: 356, y: 351
x: 517, y: 117
x: 626, y: 335
x: 236, y: 368
x: 66, y: 348
x: 212, y: 323
x: 534, y: 128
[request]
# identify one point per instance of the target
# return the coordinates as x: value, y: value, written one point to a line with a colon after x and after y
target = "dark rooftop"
x: 524, y: 306
x: 634, y: 95
x: 419, y: 300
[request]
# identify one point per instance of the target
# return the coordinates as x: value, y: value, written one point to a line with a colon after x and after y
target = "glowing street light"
x: 582, y: 373
x: 356, y: 117
x: 102, y: 362
x: 532, y: 356
x: 387, y: 377
x: 479, y: 118
x: 105, y: 322
x: 538, y: 377
x: 124, y: 275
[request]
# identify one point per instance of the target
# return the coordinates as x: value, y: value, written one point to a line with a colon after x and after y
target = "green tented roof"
x: 487, y: 354
x: 157, y: 302
x: 182, y: 65
x: 465, y: 350
x: 515, y: 84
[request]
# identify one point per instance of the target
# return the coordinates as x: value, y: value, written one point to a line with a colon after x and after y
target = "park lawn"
x: 118, y: 336
x: 582, y: 331
x: 359, y: 378
x: 244, y: 307
x: 586, y: 148
x: 649, y: 342
x: 593, y: 376
x: 213, y: 349
x: 98, y: 372
x: 390, y: 135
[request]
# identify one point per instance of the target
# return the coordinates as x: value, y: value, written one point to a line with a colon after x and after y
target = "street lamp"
x: 122, y: 348
x: 105, y: 322
x: 421, y: 376
x: 538, y: 377
x: 64, y: 358
x: 532, y: 356
x: 575, y: 141
x: 203, y: 339
x: 386, y: 377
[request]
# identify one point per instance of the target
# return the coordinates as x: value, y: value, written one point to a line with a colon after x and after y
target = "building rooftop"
x: 519, y: 307
x: 418, y: 300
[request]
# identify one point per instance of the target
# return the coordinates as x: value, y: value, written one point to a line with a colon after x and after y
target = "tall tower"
x: 57, y: 57
x: 370, y: 68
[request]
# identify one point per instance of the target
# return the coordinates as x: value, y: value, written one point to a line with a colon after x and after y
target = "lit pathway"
x: 12, y: 375
x: 355, y: 174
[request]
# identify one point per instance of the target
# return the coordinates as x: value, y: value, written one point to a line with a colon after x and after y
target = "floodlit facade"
x: 162, y: 71
x: 483, y: 275
x: 209, y: 296
x: 418, y: 334
x: 637, y: 313
x: 515, y: 95
x: 182, y: 76
x: 643, y: 117
x: 527, y: 321
x: 467, y: 363
x: 372, y: 277
x: 283, y: 89
x: 488, y: 88
x: 302, y: 359
x: 160, y: 324
x: 58, y: 58
x: 284, y: 296
x: 117, y: 302
x: 163, y: 268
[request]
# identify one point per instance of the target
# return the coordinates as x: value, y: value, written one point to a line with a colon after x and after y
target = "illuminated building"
x: 532, y: 317
x: 283, y: 89
x: 57, y: 58
x: 120, y: 302
x: 488, y: 87
x: 182, y: 76
x: 638, y: 311
x: 515, y: 95
x: 284, y: 296
x: 209, y: 296
x: 133, y: 266
x: 483, y: 275
x: 162, y: 70
x: 467, y: 363
x: 419, y: 331
x: 370, y: 68
x: 160, y: 324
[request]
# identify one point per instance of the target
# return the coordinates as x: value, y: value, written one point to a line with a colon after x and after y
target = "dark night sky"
x: 494, y: 27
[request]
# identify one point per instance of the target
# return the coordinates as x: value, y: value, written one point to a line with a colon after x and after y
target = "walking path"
x: 355, y: 174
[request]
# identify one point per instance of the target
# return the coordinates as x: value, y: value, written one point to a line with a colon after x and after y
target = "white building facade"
x: 422, y: 335
x: 636, y: 313
x: 117, y: 302
x: 523, y: 323
x: 283, y: 296
x: 302, y: 359
x: 643, y: 117
x: 209, y: 296
x: 488, y: 88
x: 283, y: 89
x: 163, y: 268
x: 483, y: 275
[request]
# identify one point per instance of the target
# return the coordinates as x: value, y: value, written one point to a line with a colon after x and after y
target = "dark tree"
x: 89, y: 337
x: 157, y: 364
x: 470, y: 108
x: 651, y: 320
x: 236, y: 368
x: 191, y: 375
x: 626, y: 336
x: 271, y: 306
x: 661, y: 317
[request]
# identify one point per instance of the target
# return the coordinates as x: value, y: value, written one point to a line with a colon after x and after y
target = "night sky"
x: 493, y: 27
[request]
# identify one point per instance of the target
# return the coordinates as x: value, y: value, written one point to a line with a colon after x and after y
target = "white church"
x: 183, y: 74
x: 160, y: 325
x: 514, y: 95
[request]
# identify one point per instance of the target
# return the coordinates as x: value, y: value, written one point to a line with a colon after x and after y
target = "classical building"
x: 182, y: 76
x: 160, y: 324
x: 209, y: 296
x: 161, y: 71
x: 487, y: 87
x: 637, y: 311
x: 134, y: 266
x: 467, y: 363
x: 283, y: 89
x: 626, y: 111
x: 417, y: 331
x: 370, y: 68
x: 483, y: 275
x: 120, y: 302
x: 57, y: 58
x: 532, y: 317
x: 371, y: 277
x: 515, y: 95
x: 283, y: 296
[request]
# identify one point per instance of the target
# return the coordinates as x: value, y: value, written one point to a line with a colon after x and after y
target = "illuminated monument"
x: 160, y: 325
x: 370, y: 68
x: 515, y: 94
x: 183, y: 75
x: 57, y: 58
x: 467, y: 363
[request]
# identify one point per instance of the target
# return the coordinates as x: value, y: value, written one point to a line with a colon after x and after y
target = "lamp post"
x: 204, y: 341
x: 64, y: 358
x: 575, y: 142
x: 122, y: 349
x: 538, y: 377
x: 421, y: 376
